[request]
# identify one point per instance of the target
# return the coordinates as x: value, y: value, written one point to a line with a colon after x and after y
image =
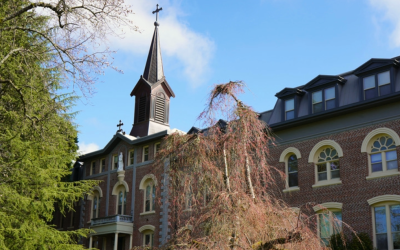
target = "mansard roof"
x: 321, y: 80
x: 375, y: 63
x: 289, y: 91
x: 349, y: 95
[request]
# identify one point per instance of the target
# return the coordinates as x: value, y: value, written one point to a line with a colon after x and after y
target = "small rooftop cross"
x: 119, y: 126
x: 156, y: 11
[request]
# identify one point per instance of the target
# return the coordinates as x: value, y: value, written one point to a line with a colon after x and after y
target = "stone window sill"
x: 147, y: 213
x: 382, y: 174
x: 291, y: 189
x: 327, y: 183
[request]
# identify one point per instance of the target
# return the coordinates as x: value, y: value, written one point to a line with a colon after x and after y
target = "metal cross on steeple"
x: 156, y: 11
x: 119, y: 126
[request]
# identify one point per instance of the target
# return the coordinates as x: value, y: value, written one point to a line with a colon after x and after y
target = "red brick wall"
x: 354, y: 191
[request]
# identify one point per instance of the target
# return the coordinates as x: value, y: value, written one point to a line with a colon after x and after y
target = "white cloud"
x: 390, y: 9
x: 87, y: 148
x: 192, y: 49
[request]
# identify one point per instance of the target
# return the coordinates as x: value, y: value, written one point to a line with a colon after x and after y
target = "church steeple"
x: 152, y: 92
x: 154, y: 67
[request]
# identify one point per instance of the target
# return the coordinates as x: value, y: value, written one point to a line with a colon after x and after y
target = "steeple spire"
x: 154, y: 67
x: 152, y: 92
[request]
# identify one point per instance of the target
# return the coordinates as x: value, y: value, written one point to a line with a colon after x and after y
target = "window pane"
x: 369, y: 82
x: 153, y: 200
x: 381, y: 241
x: 292, y: 164
x: 290, y: 115
x: 338, y: 221
x: 396, y: 240
x: 377, y: 167
x: 384, y: 90
x: 335, y: 174
x: 380, y: 220
x: 383, y: 78
x: 321, y: 167
x: 318, y: 107
x: 391, y: 155
x: 322, y: 176
x: 370, y: 93
x: 330, y: 93
x: 395, y: 218
x: 293, y: 180
x: 376, y: 158
x: 391, y: 165
x: 330, y: 104
x: 317, y: 97
x: 324, y: 226
x: 289, y: 104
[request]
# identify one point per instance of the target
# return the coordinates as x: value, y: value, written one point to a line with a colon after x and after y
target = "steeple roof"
x: 154, y: 71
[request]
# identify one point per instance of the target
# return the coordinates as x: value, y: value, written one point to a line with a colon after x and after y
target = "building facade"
x: 337, y: 140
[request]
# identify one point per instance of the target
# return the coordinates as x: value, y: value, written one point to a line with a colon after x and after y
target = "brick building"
x: 337, y: 139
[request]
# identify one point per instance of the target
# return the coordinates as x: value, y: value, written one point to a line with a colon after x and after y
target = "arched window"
x: 293, y: 179
x: 95, y: 197
x: 325, y: 156
x: 147, y: 232
x: 386, y: 221
x: 290, y: 157
x: 148, y: 185
x: 329, y: 220
x: 121, y: 206
x: 380, y: 145
x: 150, y: 197
x: 328, y: 167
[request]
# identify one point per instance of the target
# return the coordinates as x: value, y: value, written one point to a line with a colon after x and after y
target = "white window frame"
x: 328, y: 208
x: 143, y: 153
x: 147, y: 230
x: 147, y: 180
x: 114, y: 164
x: 131, y: 155
x: 91, y: 167
x: 284, y: 159
x: 386, y: 201
x: 313, y: 158
x: 385, y: 172
x: 155, y: 147
x: 102, y: 165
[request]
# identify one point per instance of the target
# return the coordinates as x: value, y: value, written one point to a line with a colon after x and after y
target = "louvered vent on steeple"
x: 142, y: 109
x: 160, y: 109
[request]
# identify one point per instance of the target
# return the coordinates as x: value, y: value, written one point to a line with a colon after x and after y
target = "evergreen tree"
x: 37, y: 137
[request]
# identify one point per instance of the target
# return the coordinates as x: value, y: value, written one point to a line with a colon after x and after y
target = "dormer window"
x: 289, y: 109
x: 323, y: 100
x: 376, y: 85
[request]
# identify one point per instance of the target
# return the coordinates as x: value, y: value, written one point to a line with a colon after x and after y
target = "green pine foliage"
x: 37, y: 139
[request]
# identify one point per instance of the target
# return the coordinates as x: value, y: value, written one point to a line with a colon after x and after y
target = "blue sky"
x: 269, y: 44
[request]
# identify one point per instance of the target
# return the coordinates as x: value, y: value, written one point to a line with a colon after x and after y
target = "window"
x: 150, y: 197
x: 323, y: 100
x: 103, y: 165
x: 376, y: 85
x: 131, y: 157
x: 157, y: 147
x: 383, y: 155
x: 386, y: 221
x: 95, y: 205
x: 145, y: 153
x: 121, y: 204
x: 148, y: 185
x: 328, y: 165
x: 148, y: 239
x: 329, y: 223
x: 292, y: 171
x: 93, y: 168
x: 289, y: 109
x: 115, y: 162
x: 325, y: 156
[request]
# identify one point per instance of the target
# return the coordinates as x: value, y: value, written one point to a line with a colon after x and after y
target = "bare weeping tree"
x: 222, y: 191
x: 75, y: 33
